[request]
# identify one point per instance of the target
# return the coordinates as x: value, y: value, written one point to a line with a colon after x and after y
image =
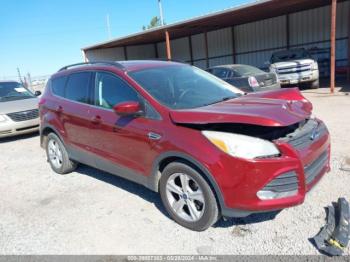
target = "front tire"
x: 57, y: 155
x: 187, y: 197
x: 315, y: 84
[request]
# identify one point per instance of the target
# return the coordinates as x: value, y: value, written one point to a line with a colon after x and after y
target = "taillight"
x: 253, y: 82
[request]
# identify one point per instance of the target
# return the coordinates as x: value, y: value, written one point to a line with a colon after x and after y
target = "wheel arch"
x: 169, y: 157
x: 45, y: 131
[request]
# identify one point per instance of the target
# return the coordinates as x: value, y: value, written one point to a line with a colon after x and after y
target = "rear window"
x: 246, y: 70
x: 57, y: 85
x: 77, y: 88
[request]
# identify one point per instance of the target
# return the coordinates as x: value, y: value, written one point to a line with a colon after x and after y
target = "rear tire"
x: 187, y: 197
x: 57, y: 155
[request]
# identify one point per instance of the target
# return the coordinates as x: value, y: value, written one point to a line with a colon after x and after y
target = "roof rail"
x: 116, y: 64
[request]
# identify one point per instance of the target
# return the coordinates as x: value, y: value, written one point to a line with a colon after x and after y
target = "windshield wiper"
x: 221, y: 100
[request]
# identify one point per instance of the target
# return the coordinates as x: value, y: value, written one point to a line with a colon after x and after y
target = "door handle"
x: 154, y: 136
x: 96, y: 120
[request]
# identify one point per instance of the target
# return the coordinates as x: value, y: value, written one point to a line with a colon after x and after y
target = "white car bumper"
x: 12, y: 128
x: 296, y: 78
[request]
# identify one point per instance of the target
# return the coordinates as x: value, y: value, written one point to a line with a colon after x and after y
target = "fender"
x: 155, y: 175
x: 45, y: 126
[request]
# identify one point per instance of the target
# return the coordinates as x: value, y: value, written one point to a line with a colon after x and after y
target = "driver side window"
x: 111, y: 90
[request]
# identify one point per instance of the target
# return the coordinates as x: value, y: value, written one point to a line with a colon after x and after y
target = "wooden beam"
x: 125, y: 53
x: 206, y: 49
x: 191, y: 50
x: 333, y: 43
x: 233, y: 45
x: 167, y: 44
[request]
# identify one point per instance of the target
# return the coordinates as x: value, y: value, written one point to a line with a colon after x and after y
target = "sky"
x: 40, y: 36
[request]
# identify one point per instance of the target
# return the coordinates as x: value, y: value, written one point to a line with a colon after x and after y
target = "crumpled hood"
x: 18, y: 105
x: 271, y: 108
x: 294, y: 63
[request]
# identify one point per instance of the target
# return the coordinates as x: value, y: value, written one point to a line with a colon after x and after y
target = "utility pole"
x: 108, y: 27
x: 19, y: 75
x: 161, y: 12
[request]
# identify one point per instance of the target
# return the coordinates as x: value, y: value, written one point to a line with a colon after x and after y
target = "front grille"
x: 24, y: 115
x: 293, y: 69
x: 283, y: 183
x: 314, y: 169
x: 304, y: 136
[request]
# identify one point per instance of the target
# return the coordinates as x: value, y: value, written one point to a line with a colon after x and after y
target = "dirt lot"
x: 91, y: 212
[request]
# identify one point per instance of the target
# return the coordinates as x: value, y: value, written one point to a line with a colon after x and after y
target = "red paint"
x: 127, y: 108
x: 125, y: 142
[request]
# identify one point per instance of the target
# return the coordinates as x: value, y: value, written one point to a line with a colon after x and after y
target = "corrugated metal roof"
x: 257, y: 10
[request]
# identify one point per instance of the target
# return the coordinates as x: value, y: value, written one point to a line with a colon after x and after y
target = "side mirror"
x: 37, y: 93
x: 129, y: 108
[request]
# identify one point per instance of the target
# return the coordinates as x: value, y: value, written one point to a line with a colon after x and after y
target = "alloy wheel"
x: 55, y: 154
x: 185, y: 197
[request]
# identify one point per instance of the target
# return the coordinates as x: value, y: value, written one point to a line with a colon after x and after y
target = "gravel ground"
x: 91, y: 212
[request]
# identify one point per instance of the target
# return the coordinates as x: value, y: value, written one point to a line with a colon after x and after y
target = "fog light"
x: 268, y: 195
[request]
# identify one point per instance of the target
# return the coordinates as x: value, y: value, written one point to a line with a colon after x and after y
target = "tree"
x: 155, y: 22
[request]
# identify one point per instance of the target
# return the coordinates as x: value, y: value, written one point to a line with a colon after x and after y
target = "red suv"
x: 206, y: 148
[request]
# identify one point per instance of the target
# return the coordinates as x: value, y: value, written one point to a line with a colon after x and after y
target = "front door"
x: 122, y: 144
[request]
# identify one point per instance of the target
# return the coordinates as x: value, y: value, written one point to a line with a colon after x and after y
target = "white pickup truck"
x: 295, y: 67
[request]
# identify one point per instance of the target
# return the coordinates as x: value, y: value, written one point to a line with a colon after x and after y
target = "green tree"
x: 155, y: 22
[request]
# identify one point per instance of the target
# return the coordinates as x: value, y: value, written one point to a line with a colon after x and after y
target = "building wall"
x: 109, y: 54
x: 252, y: 43
x: 141, y: 52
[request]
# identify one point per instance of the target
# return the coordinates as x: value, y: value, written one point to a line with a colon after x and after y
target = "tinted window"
x: 57, y: 85
x: 246, y: 70
x: 111, y: 90
x: 77, y: 88
x: 183, y: 86
x: 220, y: 72
x: 287, y: 55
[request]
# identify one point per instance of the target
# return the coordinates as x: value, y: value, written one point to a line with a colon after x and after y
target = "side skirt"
x: 98, y: 162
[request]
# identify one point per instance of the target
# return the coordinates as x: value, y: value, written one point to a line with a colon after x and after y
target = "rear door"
x: 122, y: 143
x: 75, y: 111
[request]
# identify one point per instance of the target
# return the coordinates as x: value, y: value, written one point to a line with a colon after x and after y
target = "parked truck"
x: 295, y: 67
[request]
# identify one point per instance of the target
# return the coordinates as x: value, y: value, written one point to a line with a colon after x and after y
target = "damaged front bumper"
x: 278, y: 183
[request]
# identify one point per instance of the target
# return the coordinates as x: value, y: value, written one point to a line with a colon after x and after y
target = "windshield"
x: 184, y: 86
x: 246, y: 70
x: 10, y: 91
x: 289, y: 55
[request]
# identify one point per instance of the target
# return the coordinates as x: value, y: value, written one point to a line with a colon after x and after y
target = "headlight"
x: 2, y: 118
x: 242, y: 146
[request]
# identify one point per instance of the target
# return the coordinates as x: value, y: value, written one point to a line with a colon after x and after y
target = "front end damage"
x: 265, y: 182
x: 273, y: 183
